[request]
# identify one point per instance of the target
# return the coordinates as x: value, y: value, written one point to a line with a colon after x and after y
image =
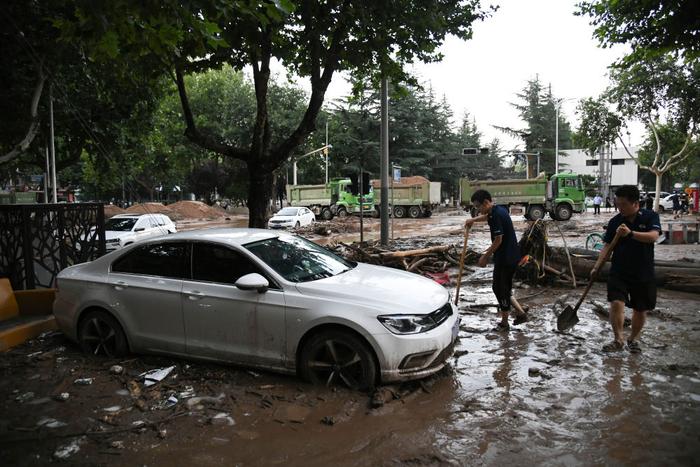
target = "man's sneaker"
x: 633, y: 347
x: 614, y: 346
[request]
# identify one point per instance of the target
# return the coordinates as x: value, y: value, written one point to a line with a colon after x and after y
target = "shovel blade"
x: 567, y: 319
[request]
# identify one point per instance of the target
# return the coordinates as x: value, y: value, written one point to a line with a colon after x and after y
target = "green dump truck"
x: 412, y: 197
x: 339, y: 197
x: 560, y: 196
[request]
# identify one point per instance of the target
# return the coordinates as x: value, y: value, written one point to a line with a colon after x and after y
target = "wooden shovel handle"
x: 461, y: 264
x: 592, y: 279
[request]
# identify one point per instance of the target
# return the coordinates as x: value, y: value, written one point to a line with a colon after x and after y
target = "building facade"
x: 611, y: 167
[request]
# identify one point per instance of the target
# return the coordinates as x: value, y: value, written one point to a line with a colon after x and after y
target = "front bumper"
x: 433, y: 348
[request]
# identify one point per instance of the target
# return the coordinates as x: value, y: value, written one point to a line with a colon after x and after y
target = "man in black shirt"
x: 631, y: 280
x: 505, y: 251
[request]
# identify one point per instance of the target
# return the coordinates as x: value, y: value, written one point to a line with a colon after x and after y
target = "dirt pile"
x: 112, y: 210
x: 176, y: 211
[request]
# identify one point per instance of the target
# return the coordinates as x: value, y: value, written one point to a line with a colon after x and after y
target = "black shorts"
x: 503, y: 284
x: 640, y: 296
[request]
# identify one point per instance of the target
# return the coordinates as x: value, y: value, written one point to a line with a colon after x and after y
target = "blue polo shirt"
x: 508, y: 253
x: 633, y: 260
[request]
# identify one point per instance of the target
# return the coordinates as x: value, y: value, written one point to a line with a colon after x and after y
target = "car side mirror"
x: 253, y: 281
x: 140, y: 229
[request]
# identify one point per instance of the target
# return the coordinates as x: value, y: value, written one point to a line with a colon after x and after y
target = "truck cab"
x: 565, y: 195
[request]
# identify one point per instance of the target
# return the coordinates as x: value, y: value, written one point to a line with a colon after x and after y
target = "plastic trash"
x: 222, y: 418
x: 155, y: 376
x: 83, y: 381
x: 64, y: 452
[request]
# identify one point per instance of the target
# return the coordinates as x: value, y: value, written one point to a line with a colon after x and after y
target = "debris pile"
x: 428, y: 260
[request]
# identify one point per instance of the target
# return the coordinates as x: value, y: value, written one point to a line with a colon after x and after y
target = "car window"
x: 287, y: 212
x: 120, y: 224
x: 297, y: 259
x: 160, y: 259
x: 216, y: 263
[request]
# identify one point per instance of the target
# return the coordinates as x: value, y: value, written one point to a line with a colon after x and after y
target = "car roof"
x: 232, y: 236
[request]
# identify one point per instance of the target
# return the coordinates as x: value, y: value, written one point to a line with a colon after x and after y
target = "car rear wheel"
x: 100, y: 334
x: 338, y: 358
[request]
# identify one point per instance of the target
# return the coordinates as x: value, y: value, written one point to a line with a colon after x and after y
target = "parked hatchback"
x: 263, y: 299
x: 291, y: 217
x: 125, y: 229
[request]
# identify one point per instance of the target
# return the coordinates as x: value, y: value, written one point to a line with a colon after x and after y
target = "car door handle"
x: 195, y: 295
x: 121, y: 285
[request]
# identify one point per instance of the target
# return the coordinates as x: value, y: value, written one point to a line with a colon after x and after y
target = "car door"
x: 310, y: 217
x: 224, y: 322
x: 145, y: 287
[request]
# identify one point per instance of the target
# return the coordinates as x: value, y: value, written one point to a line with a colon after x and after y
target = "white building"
x: 623, y: 170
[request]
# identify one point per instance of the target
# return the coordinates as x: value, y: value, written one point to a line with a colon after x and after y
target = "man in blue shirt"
x: 631, y: 280
x: 506, y: 254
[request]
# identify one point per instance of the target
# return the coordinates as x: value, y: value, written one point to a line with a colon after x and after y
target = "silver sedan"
x: 263, y: 299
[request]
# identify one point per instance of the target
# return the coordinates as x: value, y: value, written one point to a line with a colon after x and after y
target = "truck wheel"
x: 342, y: 212
x: 414, y: 212
x: 326, y: 214
x: 399, y: 211
x: 536, y: 212
x: 428, y: 213
x: 563, y: 212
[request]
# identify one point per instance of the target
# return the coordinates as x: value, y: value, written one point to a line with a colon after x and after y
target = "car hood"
x: 387, y: 290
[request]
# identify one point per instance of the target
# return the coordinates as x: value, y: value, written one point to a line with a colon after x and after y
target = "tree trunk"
x: 659, y: 176
x: 259, y: 195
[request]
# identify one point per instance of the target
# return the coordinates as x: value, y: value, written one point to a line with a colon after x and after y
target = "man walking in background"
x: 597, y: 201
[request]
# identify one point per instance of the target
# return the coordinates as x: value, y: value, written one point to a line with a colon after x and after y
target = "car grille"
x: 277, y: 222
x: 439, y: 316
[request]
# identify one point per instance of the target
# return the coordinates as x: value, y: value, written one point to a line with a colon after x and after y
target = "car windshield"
x: 297, y: 259
x: 287, y: 212
x: 123, y: 224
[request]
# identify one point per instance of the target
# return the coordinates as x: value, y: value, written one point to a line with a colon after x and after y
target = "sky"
x: 524, y: 38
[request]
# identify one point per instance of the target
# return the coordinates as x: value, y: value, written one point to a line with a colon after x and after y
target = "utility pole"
x: 326, y: 153
x: 384, y: 163
x: 53, y: 148
x: 46, y: 175
x: 556, y: 140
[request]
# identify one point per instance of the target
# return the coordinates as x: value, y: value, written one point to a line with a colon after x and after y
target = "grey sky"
x: 522, y: 39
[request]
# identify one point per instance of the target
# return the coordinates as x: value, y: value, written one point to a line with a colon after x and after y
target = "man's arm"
x: 642, y: 237
x: 483, y: 261
x: 481, y: 218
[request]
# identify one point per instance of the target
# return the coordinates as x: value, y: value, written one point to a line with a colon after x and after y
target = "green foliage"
x: 598, y: 125
x: 650, y: 28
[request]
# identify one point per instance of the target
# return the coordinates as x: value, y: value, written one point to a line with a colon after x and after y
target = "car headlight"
x: 407, y: 324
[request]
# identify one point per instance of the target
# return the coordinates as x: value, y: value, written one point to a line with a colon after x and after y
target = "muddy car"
x: 262, y: 299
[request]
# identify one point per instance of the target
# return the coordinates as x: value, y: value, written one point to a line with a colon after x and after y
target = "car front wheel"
x: 100, y: 333
x: 338, y: 358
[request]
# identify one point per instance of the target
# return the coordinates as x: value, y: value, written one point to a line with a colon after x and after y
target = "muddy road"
x: 531, y: 396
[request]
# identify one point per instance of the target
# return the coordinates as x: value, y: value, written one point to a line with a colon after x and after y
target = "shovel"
x: 568, y: 318
x: 461, y: 264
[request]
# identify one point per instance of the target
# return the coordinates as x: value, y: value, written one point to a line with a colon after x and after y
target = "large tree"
x: 536, y: 106
x: 311, y: 39
x: 658, y: 91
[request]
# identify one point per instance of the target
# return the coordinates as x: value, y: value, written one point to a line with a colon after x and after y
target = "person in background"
x: 649, y: 202
x: 597, y: 201
x: 607, y: 204
x: 676, y: 204
x: 684, y: 202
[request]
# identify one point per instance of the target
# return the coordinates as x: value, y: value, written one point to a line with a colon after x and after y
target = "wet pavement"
x: 530, y: 396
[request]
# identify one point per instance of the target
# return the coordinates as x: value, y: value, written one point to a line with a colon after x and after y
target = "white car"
x: 259, y: 298
x: 291, y: 217
x: 125, y: 229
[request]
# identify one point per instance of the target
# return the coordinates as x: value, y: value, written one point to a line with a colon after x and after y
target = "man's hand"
x: 623, y: 230
x: 483, y: 261
x: 594, y: 272
x: 468, y: 223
